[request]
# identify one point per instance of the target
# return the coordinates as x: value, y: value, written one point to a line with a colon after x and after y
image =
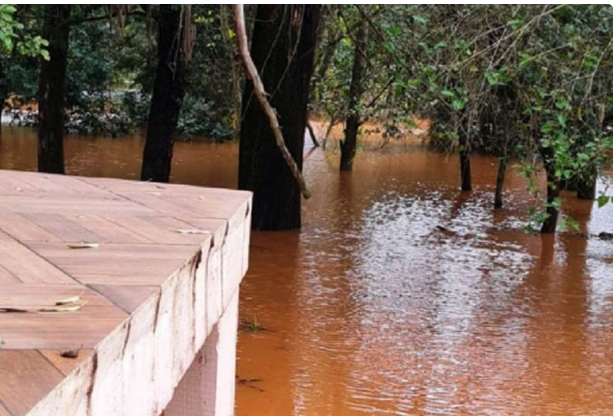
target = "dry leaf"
x: 192, y: 231
x: 62, y: 308
x: 83, y: 245
x: 13, y: 310
x: 70, y: 354
x: 69, y: 300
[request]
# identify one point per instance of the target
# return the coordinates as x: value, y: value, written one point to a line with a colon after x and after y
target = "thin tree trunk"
x: 312, y: 134
x: 324, y: 64
x: 286, y: 77
x: 166, y: 99
x: 465, y: 162
x: 348, y: 146
x: 503, y: 161
x: 553, y: 191
x: 51, y: 83
x: 234, y: 68
x: 3, y: 90
x: 586, y: 185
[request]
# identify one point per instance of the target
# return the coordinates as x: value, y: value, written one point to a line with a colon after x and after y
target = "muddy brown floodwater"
x: 371, y: 310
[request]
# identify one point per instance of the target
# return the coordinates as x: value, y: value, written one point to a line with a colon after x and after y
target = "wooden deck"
x: 143, y: 274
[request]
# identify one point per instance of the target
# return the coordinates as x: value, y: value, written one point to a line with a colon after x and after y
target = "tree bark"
x: 586, y: 185
x: 166, y: 99
x: 51, y: 83
x: 260, y: 93
x: 465, y: 162
x: 352, y: 124
x: 553, y: 191
x: 553, y: 186
x: 284, y: 37
x: 503, y: 161
x: 234, y: 68
x: 312, y: 134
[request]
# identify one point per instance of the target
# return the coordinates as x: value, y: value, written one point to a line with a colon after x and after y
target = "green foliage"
x: 27, y: 45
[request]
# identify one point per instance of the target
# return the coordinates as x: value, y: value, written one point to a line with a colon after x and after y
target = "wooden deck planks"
x: 26, y: 378
x: 57, y: 330
x: 152, y: 289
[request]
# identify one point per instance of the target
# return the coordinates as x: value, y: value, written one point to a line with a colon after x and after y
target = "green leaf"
x: 458, y: 104
x: 420, y: 19
x: 547, y: 127
x: 448, y: 93
x: 561, y: 119
x: 603, y: 200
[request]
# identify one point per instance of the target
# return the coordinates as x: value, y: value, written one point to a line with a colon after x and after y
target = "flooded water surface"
x: 372, y: 309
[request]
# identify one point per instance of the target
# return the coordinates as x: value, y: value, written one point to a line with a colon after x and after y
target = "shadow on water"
x: 375, y: 310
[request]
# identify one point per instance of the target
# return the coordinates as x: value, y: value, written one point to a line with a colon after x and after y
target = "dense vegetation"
x: 530, y: 84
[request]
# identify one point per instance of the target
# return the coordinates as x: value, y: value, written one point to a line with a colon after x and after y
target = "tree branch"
x: 252, y: 73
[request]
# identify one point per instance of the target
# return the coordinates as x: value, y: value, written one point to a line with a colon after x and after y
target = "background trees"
x: 530, y: 84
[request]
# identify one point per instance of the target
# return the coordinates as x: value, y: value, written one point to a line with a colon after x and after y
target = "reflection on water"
x: 371, y: 309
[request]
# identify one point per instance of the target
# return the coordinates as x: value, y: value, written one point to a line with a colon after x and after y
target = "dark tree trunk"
x: 3, y: 90
x: 500, y: 180
x: 51, y: 90
x: 312, y: 134
x: 586, y: 185
x: 553, y: 190
x: 284, y: 37
x: 549, y: 224
x: 352, y: 124
x: 166, y: 99
x: 465, y: 162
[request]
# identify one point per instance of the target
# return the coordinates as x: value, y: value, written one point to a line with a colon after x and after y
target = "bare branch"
x: 259, y: 91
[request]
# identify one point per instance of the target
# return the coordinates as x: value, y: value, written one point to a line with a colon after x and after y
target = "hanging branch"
x: 260, y: 93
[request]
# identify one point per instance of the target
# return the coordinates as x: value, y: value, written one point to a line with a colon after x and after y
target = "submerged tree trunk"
x: 503, y: 161
x: 352, y: 124
x: 51, y: 83
x: 166, y: 99
x: 586, y: 185
x: 553, y: 191
x: 284, y: 37
x: 465, y: 162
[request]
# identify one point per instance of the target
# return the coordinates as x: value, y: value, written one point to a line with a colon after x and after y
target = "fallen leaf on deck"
x: 69, y: 300
x: 13, y: 310
x: 70, y: 354
x: 192, y: 231
x: 83, y: 245
x: 62, y: 308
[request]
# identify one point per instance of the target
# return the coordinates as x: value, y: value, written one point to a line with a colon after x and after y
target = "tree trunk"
x: 3, y: 90
x: 553, y: 191
x: 51, y: 90
x: 166, y: 99
x: 500, y: 180
x: 352, y: 124
x: 284, y: 37
x: 312, y: 134
x: 465, y: 162
x: 586, y: 185
x: 234, y: 68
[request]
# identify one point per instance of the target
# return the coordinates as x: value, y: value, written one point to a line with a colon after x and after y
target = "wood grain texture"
x: 150, y: 292
x: 26, y: 378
